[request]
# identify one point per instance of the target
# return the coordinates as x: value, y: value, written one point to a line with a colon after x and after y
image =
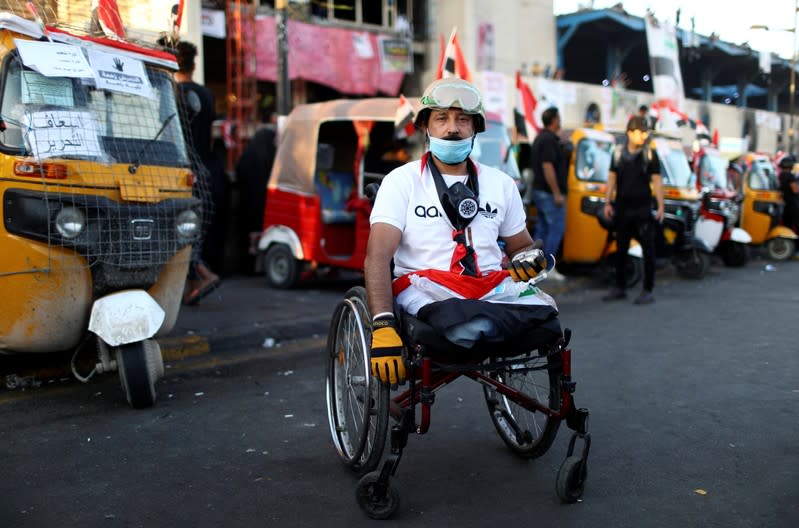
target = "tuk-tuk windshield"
x: 762, y: 176
x: 492, y: 148
x: 593, y: 159
x: 674, y: 167
x: 713, y: 172
x: 72, y: 118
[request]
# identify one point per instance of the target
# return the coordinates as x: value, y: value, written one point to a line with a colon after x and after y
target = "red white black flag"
x: 524, y: 111
x: 454, y: 63
x: 403, y: 119
x: 106, y: 13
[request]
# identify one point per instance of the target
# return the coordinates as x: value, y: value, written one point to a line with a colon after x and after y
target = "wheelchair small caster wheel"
x: 377, y: 503
x: 571, y: 479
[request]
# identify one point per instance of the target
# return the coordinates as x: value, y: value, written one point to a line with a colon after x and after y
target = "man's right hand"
x: 386, y: 352
x: 559, y: 199
x: 608, y: 211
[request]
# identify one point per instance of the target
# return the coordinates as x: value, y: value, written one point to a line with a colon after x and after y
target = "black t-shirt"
x: 547, y: 147
x: 634, y: 172
x: 790, y: 197
x: 200, y: 124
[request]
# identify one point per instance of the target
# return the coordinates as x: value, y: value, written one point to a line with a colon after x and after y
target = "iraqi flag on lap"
x: 453, y: 63
x: 524, y: 111
x: 403, y: 119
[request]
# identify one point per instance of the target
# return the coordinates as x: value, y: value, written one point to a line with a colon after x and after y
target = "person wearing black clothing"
x: 549, y: 186
x: 789, y: 186
x: 199, y: 104
x: 252, y: 174
x: 634, y: 173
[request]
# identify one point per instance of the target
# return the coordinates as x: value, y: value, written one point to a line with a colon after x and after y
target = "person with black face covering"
x: 440, y: 219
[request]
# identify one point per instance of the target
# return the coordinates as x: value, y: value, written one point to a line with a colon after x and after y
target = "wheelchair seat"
x: 420, y: 336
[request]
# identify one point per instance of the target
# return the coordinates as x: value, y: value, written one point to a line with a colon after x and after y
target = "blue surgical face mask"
x: 451, y: 151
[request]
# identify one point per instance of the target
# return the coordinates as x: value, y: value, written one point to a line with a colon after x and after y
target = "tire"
x: 372, y: 505
x: 780, y: 248
x: 357, y: 403
x: 633, y: 274
x: 280, y: 267
x: 692, y: 263
x: 571, y: 479
x: 734, y: 254
x: 139, y: 365
x: 528, y: 434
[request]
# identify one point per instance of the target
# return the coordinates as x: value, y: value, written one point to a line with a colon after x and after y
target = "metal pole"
x: 283, y: 83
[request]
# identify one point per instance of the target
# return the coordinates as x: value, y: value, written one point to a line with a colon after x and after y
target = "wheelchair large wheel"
x: 357, y: 403
x: 528, y: 434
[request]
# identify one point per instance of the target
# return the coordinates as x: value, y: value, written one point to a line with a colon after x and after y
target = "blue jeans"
x: 550, y: 222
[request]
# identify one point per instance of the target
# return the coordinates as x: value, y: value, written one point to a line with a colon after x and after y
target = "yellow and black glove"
x: 386, y: 353
x: 527, y: 264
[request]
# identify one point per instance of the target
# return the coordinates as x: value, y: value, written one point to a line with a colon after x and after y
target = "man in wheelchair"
x: 440, y: 219
x: 434, y: 252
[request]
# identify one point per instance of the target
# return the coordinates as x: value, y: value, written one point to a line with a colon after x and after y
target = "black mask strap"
x: 442, y: 189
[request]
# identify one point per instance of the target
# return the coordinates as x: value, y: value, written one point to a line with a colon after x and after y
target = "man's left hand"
x: 527, y: 264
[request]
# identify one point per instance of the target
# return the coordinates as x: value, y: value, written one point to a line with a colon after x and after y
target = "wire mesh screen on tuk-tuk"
x: 99, y: 173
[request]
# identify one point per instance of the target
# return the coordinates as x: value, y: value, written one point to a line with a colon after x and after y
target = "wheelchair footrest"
x: 577, y: 420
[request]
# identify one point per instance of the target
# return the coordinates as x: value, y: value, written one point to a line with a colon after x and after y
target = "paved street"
x: 693, y: 403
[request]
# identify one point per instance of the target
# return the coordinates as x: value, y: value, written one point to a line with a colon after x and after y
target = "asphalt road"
x: 693, y: 416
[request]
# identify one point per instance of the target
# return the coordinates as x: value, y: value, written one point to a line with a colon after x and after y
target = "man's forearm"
x: 377, y: 279
x: 551, y: 178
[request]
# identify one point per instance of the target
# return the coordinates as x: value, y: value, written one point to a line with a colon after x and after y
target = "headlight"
x: 70, y: 222
x: 187, y: 224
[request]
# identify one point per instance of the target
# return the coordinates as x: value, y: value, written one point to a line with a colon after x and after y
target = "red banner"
x: 326, y: 55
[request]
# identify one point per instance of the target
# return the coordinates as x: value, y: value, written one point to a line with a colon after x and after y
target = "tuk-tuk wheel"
x: 280, y: 267
x: 780, y: 248
x: 692, y: 263
x: 139, y: 364
x: 734, y: 254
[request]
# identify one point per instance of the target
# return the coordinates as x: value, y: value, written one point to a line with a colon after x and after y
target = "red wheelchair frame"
x: 359, y: 438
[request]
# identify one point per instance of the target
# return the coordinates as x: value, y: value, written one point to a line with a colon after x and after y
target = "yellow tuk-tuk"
x: 586, y: 239
x: 98, y: 211
x: 761, y: 211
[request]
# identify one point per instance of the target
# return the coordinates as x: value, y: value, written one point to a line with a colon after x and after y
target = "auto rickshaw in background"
x: 586, y: 239
x: 761, y: 211
x: 720, y: 208
x: 98, y: 210
x: 690, y: 255
x: 317, y: 213
x: 494, y: 148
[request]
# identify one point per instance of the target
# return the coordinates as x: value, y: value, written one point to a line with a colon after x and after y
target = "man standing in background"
x: 549, y: 187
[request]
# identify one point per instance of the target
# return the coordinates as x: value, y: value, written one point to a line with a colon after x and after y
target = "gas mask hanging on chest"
x: 459, y: 200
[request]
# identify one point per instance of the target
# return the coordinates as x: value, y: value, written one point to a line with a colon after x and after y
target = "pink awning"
x: 325, y: 55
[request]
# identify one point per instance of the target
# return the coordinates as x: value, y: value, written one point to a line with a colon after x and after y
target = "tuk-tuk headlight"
x: 187, y: 224
x: 70, y: 222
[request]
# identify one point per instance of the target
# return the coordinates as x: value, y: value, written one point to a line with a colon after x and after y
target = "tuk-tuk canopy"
x: 295, y: 160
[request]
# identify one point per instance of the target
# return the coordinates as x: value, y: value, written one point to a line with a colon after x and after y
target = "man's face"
x: 452, y: 123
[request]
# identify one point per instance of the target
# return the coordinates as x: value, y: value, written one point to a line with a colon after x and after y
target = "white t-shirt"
x: 408, y: 200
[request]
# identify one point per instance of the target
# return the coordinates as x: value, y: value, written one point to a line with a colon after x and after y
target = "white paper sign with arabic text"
x: 62, y: 133
x: 120, y: 73
x: 53, y: 59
